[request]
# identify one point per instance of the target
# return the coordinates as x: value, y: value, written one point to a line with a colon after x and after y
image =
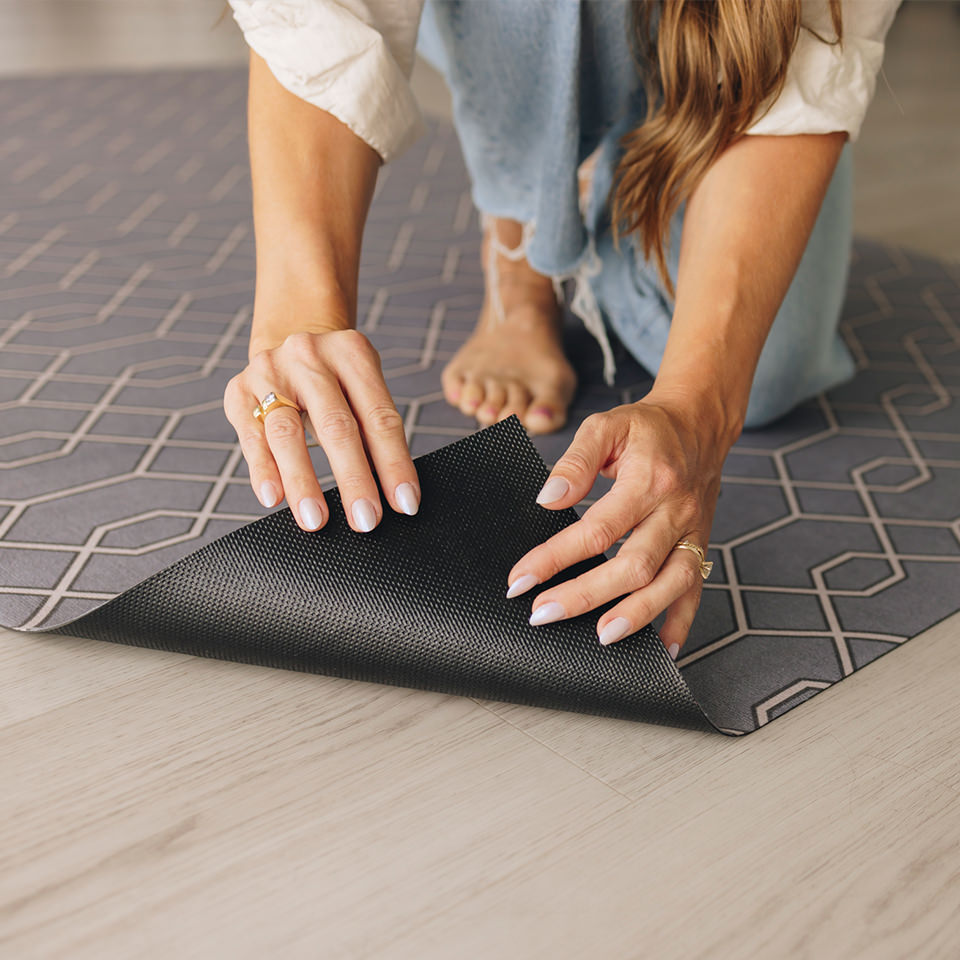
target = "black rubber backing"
x: 418, y: 602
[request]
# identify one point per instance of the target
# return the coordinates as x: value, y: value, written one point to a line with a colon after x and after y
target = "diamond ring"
x: 270, y: 402
x: 705, y: 565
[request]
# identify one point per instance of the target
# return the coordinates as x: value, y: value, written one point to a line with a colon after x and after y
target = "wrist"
x: 295, y: 307
x: 707, y: 370
x: 710, y: 410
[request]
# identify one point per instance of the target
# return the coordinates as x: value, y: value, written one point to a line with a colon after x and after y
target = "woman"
x: 701, y: 203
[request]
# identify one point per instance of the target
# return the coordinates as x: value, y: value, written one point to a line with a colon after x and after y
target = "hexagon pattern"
x: 127, y: 266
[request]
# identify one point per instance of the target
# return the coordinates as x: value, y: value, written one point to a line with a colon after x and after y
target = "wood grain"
x: 153, y: 805
x: 157, y: 805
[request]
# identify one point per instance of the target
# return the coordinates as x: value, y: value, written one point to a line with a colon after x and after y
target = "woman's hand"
x: 335, y: 377
x: 666, y: 471
x: 313, y: 179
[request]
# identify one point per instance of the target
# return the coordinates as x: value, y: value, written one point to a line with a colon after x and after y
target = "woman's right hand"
x: 336, y: 378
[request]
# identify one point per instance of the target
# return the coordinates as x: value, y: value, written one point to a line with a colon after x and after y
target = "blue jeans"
x: 540, y: 85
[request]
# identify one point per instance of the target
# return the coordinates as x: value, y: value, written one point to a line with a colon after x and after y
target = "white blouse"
x: 353, y: 58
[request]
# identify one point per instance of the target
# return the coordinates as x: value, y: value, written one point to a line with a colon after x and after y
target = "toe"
x: 494, y: 399
x: 452, y: 382
x: 518, y: 399
x: 547, y: 412
x: 471, y: 396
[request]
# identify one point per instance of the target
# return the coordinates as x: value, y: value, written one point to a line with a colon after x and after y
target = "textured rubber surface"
x: 418, y: 602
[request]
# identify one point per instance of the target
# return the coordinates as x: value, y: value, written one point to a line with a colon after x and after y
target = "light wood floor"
x: 153, y: 805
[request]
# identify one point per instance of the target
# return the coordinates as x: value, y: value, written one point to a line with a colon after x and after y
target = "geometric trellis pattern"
x: 126, y: 283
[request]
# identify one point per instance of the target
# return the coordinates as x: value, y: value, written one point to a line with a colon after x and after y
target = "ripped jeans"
x: 538, y: 86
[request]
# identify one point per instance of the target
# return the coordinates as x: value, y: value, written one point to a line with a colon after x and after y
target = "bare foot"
x: 515, y: 364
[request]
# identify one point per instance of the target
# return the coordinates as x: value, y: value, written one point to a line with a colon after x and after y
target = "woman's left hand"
x: 666, y: 470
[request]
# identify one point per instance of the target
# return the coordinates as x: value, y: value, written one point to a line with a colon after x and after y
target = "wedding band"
x: 705, y: 565
x: 270, y: 402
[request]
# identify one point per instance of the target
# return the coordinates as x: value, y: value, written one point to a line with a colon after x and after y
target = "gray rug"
x: 126, y: 281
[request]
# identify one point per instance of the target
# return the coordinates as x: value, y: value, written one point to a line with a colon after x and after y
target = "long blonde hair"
x: 711, y: 67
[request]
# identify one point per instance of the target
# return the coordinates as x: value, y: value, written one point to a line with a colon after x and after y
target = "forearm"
x: 313, y: 180
x: 745, y: 229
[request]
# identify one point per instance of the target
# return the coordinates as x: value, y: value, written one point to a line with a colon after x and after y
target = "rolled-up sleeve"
x: 352, y: 58
x: 829, y: 86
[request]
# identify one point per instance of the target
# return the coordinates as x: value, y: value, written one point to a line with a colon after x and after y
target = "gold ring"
x: 705, y: 565
x: 270, y: 402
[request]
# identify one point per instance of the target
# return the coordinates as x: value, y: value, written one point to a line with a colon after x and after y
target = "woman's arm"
x: 745, y: 228
x: 312, y: 184
x: 744, y: 231
x: 313, y: 180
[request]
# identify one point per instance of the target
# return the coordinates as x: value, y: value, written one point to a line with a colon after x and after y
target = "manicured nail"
x: 489, y: 411
x: 547, y: 614
x: 522, y: 585
x: 310, y: 513
x: 553, y: 489
x: 544, y: 412
x: 673, y: 650
x: 268, y: 494
x: 407, y: 498
x: 618, y: 627
x: 364, y: 516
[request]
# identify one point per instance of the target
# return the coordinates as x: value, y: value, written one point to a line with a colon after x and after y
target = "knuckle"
x: 688, y: 507
x: 685, y: 622
x: 355, y: 344
x: 666, y: 478
x: 353, y: 481
x: 249, y: 439
x: 543, y: 562
x: 399, y: 466
x: 598, y: 535
x: 282, y: 427
x: 300, y: 344
x: 642, y: 611
x: 233, y: 391
x: 580, y: 598
x: 336, y: 426
x: 384, y: 420
x: 592, y: 423
x: 640, y: 569
x: 637, y: 609
x: 262, y: 363
x: 689, y: 575
x: 301, y: 485
x: 573, y: 461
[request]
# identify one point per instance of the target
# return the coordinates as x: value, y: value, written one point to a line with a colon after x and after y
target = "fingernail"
x: 310, y: 513
x: 522, y: 585
x: 489, y: 411
x: 268, y: 494
x: 364, y: 516
x: 545, y: 412
x: 673, y: 650
x: 618, y: 627
x: 407, y: 498
x: 547, y: 614
x: 553, y: 489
